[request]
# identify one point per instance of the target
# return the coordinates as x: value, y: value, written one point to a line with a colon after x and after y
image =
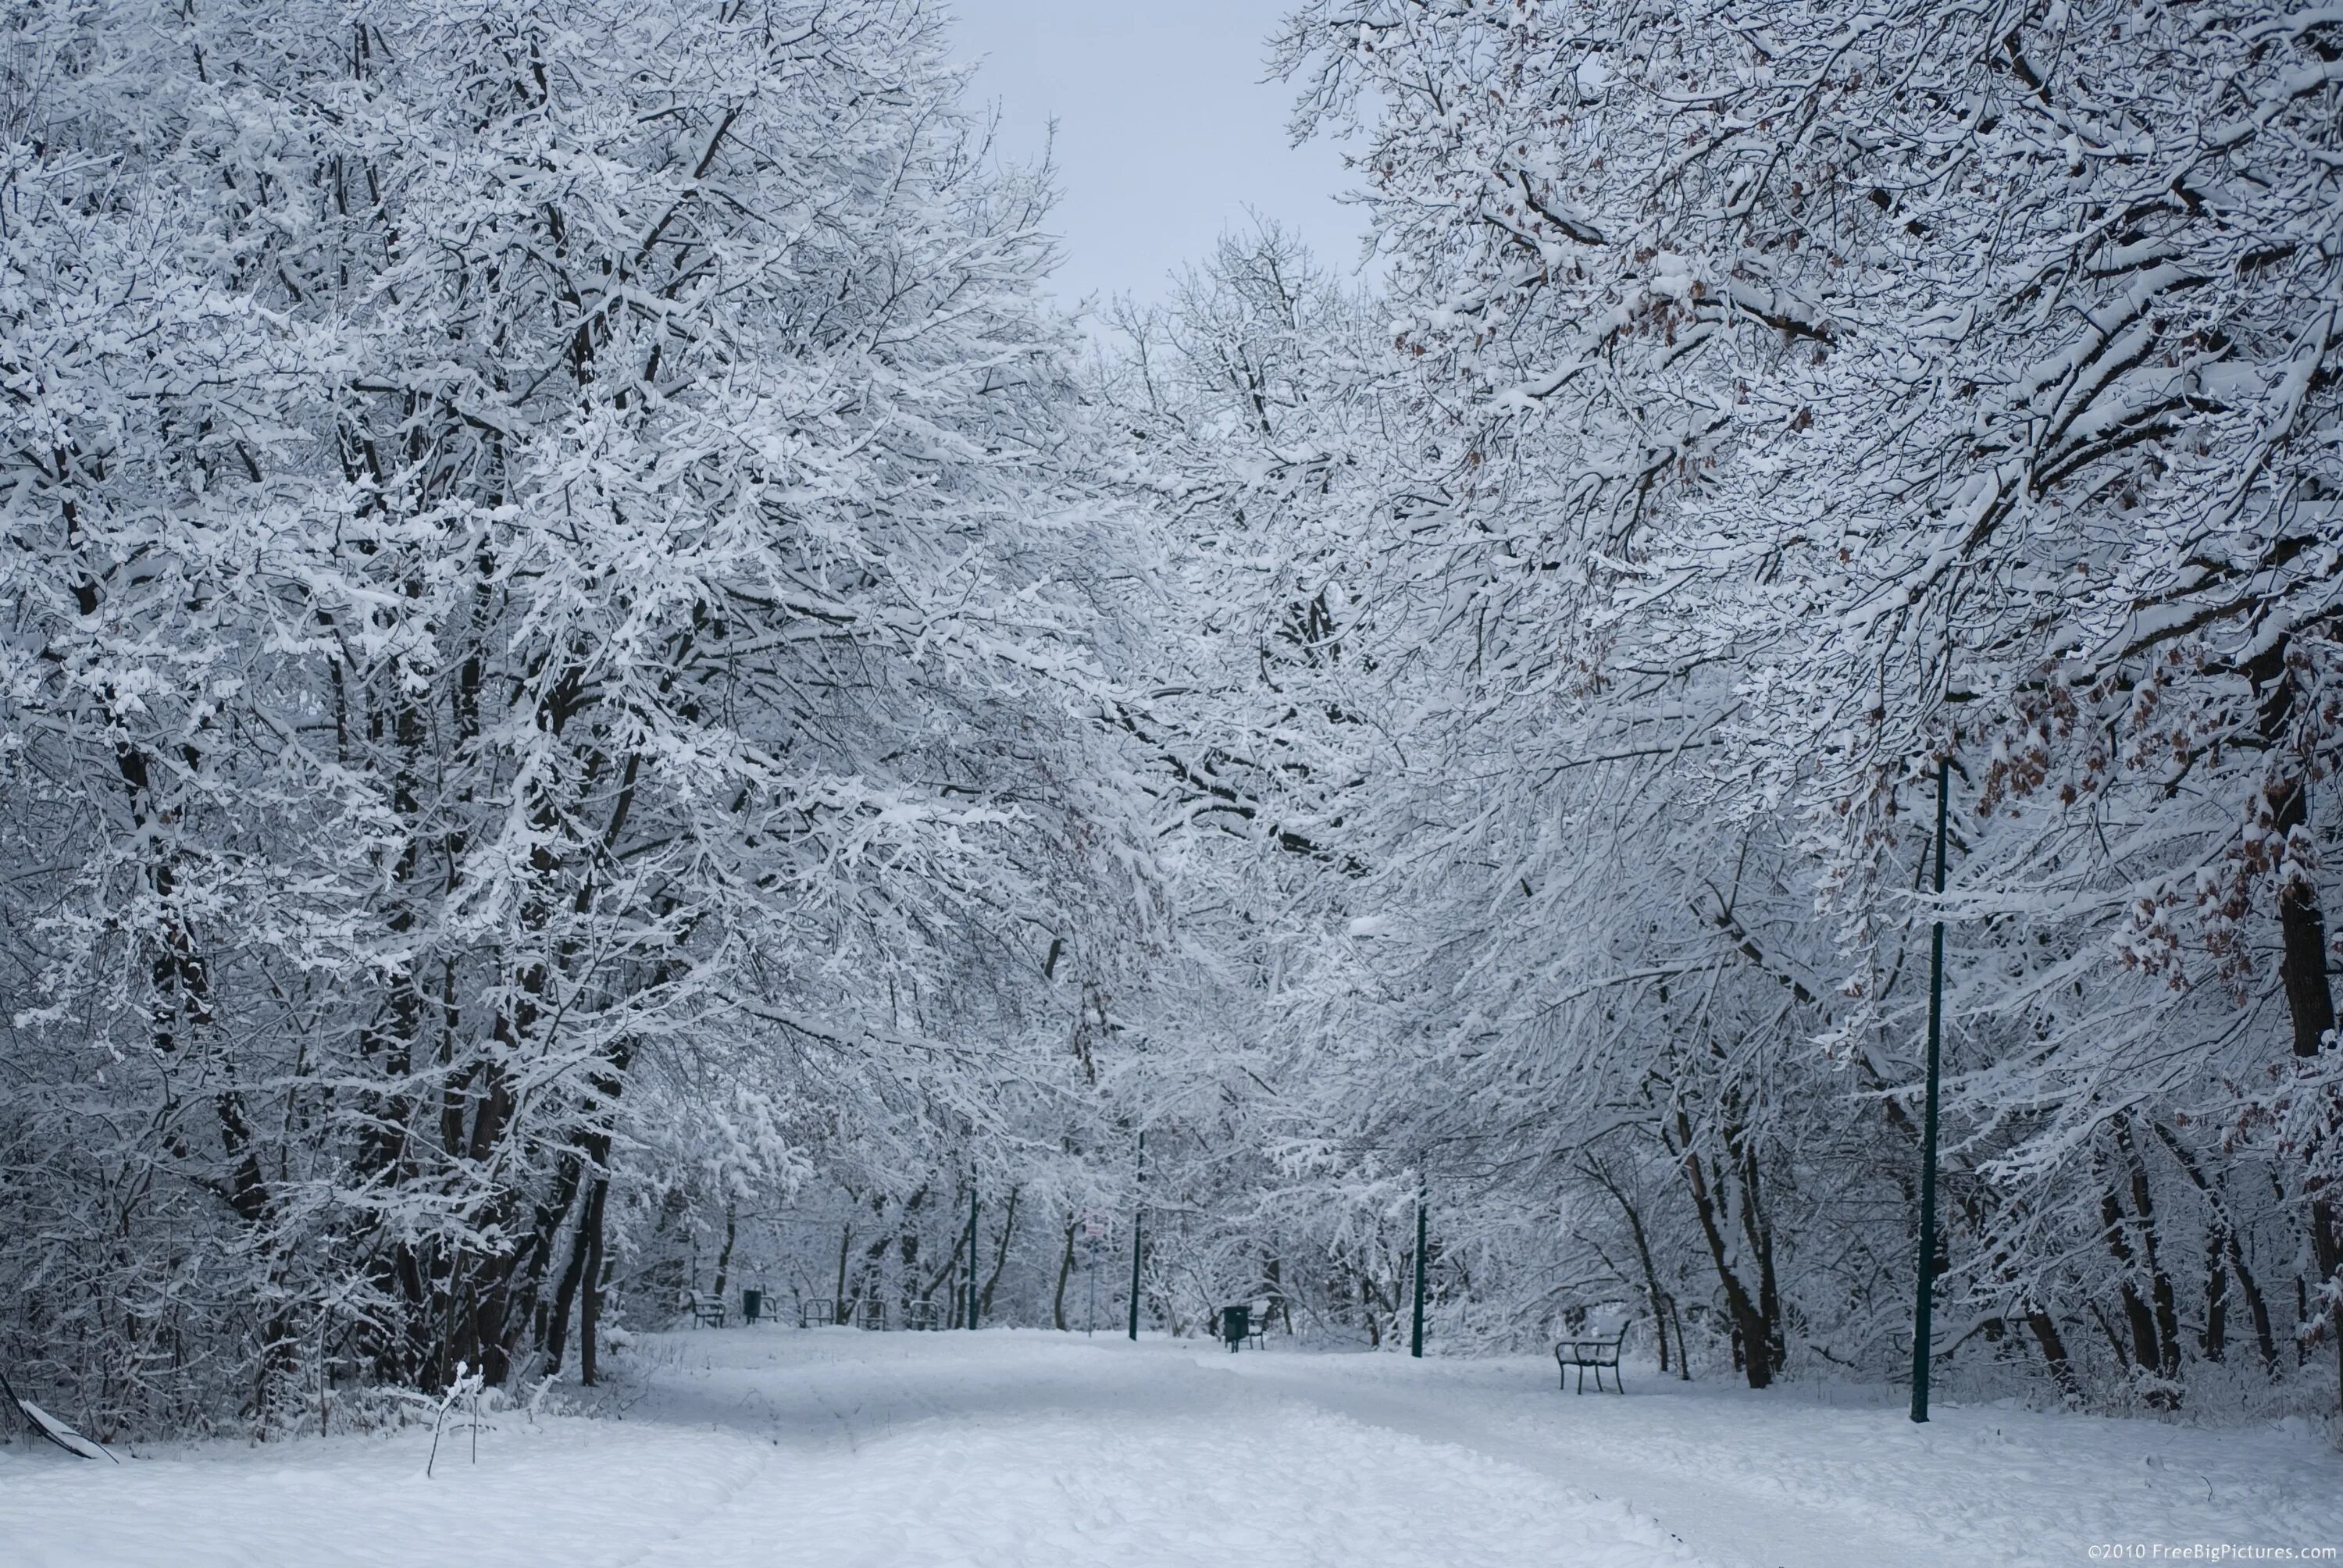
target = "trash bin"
x: 1236, y: 1322
x: 752, y: 1306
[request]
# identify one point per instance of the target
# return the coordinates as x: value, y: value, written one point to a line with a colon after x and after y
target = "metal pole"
x: 1136, y: 1216
x: 1415, y: 1342
x: 1090, y: 1248
x: 1923, y: 1307
x: 972, y: 1250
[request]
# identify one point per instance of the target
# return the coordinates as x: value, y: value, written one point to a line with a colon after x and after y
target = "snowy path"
x: 836, y: 1447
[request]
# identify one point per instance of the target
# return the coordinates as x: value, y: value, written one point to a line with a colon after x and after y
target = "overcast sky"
x: 1167, y: 133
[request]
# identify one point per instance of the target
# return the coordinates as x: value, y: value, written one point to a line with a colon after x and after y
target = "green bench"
x: 1598, y: 1354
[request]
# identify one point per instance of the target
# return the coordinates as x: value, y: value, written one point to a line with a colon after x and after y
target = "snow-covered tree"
x: 548, y: 642
x: 1837, y: 387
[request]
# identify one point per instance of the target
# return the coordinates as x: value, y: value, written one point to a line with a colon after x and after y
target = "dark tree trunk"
x: 1760, y: 1234
x: 2302, y: 968
x: 2054, y: 1352
x: 564, y: 1291
x: 1658, y: 1297
x: 2221, y: 1232
x: 2311, y: 1006
x: 951, y: 1268
x: 1000, y: 1257
x: 724, y: 1257
x: 528, y: 1315
x: 1752, y: 1335
x: 2167, y: 1315
x: 2214, y: 1340
x: 2144, y: 1350
x: 589, y: 1304
x: 1372, y: 1299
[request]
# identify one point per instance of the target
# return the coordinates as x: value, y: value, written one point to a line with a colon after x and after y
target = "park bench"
x: 814, y: 1314
x: 1595, y: 1353
x: 870, y: 1313
x: 918, y: 1316
x: 707, y: 1310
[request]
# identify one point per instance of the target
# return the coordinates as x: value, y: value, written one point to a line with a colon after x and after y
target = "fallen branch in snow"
x: 48, y: 1426
x: 64, y: 1436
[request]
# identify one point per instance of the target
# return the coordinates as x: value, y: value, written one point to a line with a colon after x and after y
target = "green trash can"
x: 1236, y: 1322
x: 752, y: 1306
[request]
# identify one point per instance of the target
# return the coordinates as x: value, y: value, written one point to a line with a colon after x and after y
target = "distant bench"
x: 1598, y: 1354
x: 866, y: 1312
x: 707, y: 1310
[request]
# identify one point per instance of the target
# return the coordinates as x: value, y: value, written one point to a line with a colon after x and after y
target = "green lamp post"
x: 1416, y: 1341
x: 1139, y: 1175
x: 1923, y: 1307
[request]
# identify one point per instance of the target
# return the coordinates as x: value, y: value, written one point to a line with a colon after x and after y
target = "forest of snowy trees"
x: 601, y: 698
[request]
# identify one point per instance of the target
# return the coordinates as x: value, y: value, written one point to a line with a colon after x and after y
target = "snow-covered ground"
x: 832, y: 1447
